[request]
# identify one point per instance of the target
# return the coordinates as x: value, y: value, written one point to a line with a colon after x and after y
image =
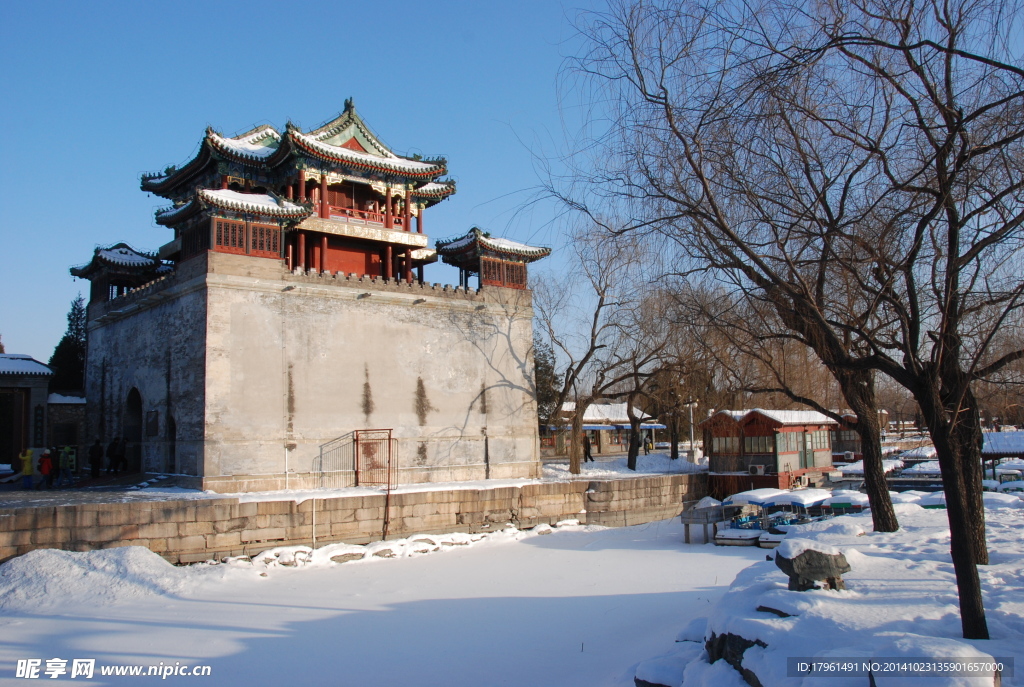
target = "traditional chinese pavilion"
x: 495, y: 261
x: 335, y: 199
x: 285, y: 337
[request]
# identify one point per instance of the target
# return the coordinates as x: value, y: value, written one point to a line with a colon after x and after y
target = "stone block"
x: 192, y: 543
x: 234, y: 524
x: 34, y: 518
x: 158, y: 530
x: 213, y: 513
x: 268, y: 534
x: 369, y: 513
x: 247, y: 510
x: 15, y: 538
x: 122, y: 516
x: 274, y: 507
x: 188, y: 529
x: 225, y: 540
x: 200, y: 557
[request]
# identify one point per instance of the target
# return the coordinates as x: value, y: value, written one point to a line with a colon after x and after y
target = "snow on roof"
x: 796, y: 417
x: 18, y: 364
x: 610, y: 413
x: 123, y: 255
x: 250, y: 201
x: 1003, y: 442
x: 755, y: 497
x: 385, y: 159
x: 435, y: 188
x: 258, y: 144
x: 476, y: 235
x: 921, y: 452
x: 61, y: 399
x: 928, y: 467
x: 857, y: 468
x: 803, y: 497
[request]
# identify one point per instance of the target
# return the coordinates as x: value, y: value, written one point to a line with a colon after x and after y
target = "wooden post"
x: 419, y: 274
x: 302, y: 186
x: 408, y: 212
x: 388, y: 262
x: 408, y: 265
x: 302, y: 251
x: 224, y: 181
x: 325, y: 206
x: 387, y: 209
x: 323, y: 253
x: 419, y: 219
x: 290, y: 259
x: 288, y: 191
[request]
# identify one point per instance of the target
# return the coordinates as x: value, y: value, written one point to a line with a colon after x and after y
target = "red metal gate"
x: 375, y: 463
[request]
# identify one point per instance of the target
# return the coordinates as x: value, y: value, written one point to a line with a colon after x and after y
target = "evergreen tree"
x: 546, y: 380
x: 68, y: 359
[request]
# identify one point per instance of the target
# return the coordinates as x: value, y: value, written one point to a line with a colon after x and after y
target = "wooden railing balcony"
x: 363, y: 216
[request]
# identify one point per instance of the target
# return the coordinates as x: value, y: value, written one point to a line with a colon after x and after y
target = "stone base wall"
x: 188, y: 531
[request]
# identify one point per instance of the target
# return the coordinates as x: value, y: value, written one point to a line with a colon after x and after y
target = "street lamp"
x: 691, y: 404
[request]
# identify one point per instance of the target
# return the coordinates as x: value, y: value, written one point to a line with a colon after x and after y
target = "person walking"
x: 65, y: 467
x: 587, y: 455
x: 46, y: 470
x: 112, y: 456
x: 95, y: 459
x: 26, y: 468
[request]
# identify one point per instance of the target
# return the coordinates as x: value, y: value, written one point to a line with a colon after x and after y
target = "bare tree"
x: 857, y: 165
x: 593, y: 316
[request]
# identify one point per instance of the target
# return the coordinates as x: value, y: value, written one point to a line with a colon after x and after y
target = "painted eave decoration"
x: 260, y: 204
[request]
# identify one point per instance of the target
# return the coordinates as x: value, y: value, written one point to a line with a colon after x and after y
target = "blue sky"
x: 96, y: 93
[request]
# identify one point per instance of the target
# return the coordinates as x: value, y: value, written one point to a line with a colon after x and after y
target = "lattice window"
x: 229, y: 237
x: 491, y: 269
x: 195, y: 240
x: 515, y: 274
x: 265, y: 241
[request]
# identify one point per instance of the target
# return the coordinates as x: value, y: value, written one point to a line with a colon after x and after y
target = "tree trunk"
x: 576, y: 441
x: 634, y: 443
x: 963, y: 528
x: 966, y: 431
x: 673, y: 436
x: 859, y: 390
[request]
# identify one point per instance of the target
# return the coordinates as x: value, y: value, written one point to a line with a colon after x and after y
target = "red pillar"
x: 419, y: 220
x: 325, y: 206
x: 323, y: 253
x: 408, y: 265
x: 388, y: 262
x: 223, y: 181
x: 302, y: 251
x: 288, y: 191
x: 302, y: 186
x: 290, y: 259
x: 408, y: 212
x: 387, y: 209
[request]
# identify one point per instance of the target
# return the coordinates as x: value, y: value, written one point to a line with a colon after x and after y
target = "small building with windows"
x: 605, y: 424
x: 23, y: 406
x: 846, y: 439
x: 752, y: 449
x: 285, y: 336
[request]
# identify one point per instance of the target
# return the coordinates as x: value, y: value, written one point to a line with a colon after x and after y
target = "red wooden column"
x: 223, y: 181
x: 323, y: 253
x: 290, y: 259
x: 388, y: 262
x: 302, y: 186
x: 302, y: 251
x: 408, y: 265
x: 388, y: 216
x: 288, y: 192
x: 325, y: 206
x: 419, y: 219
x: 406, y: 225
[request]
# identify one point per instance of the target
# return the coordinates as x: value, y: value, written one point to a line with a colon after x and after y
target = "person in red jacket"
x: 46, y: 470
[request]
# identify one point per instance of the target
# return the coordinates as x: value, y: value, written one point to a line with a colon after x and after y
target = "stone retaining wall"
x: 186, y: 531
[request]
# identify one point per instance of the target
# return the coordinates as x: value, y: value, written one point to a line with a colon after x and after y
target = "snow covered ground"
x: 580, y: 606
x: 900, y: 602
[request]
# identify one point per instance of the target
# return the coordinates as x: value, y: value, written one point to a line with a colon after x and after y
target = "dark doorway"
x: 172, y: 445
x: 133, y: 430
x: 13, y: 425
